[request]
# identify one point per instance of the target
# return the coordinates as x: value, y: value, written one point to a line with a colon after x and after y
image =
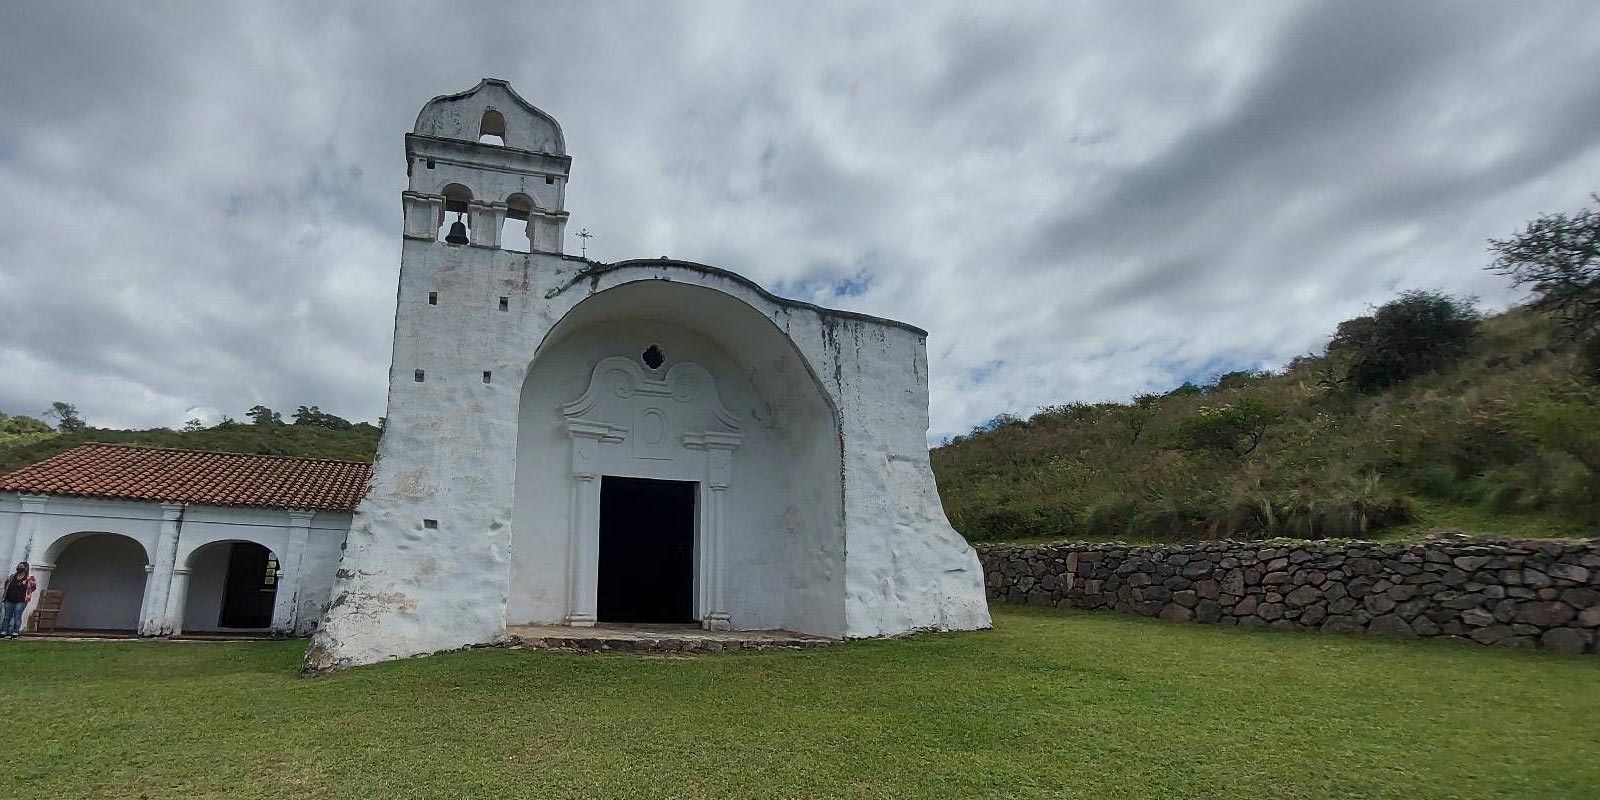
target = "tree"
x: 1236, y: 428
x: 1405, y: 337
x: 22, y: 430
x: 261, y: 415
x: 1238, y: 379
x: 68, y: 420
x: 1138, y: 415
x: 316, y: 417
x: 21, y: 425
x: 194, y: 424
x: 1557, y: 256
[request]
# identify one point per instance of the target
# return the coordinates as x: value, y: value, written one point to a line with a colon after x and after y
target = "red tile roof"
x: 132, y: 472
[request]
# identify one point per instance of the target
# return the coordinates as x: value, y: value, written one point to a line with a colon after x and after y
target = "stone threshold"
x: 687, y: 639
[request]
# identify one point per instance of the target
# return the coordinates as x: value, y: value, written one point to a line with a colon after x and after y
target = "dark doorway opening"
x: 646, y: 551
x: 251, y: 587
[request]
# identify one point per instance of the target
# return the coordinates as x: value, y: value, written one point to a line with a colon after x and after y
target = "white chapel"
x: 649, y: 441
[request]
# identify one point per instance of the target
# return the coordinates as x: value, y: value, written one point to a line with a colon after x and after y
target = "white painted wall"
x: 450, y: 448
x: 103, y: 576
x: 209, y: 572
x: 40, y: 532
x: 785, y: 558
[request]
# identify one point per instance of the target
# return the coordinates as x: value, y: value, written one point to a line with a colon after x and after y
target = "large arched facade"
x: 728, y: 408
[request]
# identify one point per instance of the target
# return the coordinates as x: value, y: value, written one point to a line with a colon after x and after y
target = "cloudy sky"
x: 1079, y: 200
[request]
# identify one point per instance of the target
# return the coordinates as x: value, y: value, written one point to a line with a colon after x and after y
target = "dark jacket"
x: 27, y: 593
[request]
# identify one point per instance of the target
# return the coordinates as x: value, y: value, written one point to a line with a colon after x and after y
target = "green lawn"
x: 1051, y: 704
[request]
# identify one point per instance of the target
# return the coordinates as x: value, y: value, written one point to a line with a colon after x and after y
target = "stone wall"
x: 1510, y: 593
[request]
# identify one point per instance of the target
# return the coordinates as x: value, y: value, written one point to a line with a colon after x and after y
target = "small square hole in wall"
x: 430, y: 523
x: 549, y: 179
x: 487, y: 375
x: 505, y: 304
x: 433, y: 298
x: 430, y: 163
x: 417, y: 376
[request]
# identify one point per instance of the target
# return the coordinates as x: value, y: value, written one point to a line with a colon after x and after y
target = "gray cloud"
x: 1078, y: 201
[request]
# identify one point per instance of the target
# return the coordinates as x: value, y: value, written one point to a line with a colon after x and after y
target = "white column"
x: 583, y: 551
x: 177, y: 599
x: 713, y: 565
x: 483, y: 223
x: 153, y: 613
x: 422, y: 215
x: 286, y: 607
x: 583, y: 515
x: 546, y: 230
x: 41, y: 575
x: 27, y: 530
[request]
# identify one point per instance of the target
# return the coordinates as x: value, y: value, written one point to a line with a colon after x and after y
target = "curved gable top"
x: 459, y: 116
x: 593, y: 270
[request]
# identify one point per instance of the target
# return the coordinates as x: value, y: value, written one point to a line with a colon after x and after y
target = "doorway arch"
x: 765, y: 456
x: 227, y: 585
x: 103, y: 576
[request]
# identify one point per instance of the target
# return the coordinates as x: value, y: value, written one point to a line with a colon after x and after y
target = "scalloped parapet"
x: 467, y: 115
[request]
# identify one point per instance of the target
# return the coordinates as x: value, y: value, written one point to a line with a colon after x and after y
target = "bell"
x: 458, y: 232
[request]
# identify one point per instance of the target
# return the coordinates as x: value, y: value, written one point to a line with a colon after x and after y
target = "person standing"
x: 19, y: 588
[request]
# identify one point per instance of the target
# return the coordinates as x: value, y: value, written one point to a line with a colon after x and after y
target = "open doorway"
x: 251, y: 587
x: 646, y: 551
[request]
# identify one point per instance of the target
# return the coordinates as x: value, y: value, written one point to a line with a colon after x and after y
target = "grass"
x: 1050, y: 704
x: 1432, y: 515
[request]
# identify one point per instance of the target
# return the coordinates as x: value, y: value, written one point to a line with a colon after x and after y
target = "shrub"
x: 1589, y: 358
x: 1404, y: 338
x: 1236, y: 428
x: 1568, y: 425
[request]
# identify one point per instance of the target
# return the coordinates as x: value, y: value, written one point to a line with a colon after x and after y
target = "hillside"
x: 358, y: 442
x: 1504, y: 437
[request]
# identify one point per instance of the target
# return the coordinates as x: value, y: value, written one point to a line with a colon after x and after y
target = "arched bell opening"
x: 492, y: 128
x: 514, y: 233
x: 453, y: 221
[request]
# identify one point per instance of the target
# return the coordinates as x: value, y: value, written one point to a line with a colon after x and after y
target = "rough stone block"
x: 1566, y: 640
x: 1569, y: 572
x: 1390, y: 625
x: 1173, y: 612
x: 1545, y: 613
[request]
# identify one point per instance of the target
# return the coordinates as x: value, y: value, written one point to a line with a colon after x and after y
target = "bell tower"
x: 482, y: 157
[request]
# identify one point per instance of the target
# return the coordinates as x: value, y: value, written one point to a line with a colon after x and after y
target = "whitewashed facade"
x: 160, y: 569
x: 530, y: 389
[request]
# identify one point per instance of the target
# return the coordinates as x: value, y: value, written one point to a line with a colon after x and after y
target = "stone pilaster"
x: 27, y: 530
x: 153, y: 614
x: 286, y: 609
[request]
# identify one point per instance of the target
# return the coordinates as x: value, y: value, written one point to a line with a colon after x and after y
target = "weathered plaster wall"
x: 53, y: 523
x: 103, y: 576
x: 208, y: 573
x: 786, y: 548
x: 1510, y: 593
x: 449, y: 450
x: 458, y: 116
